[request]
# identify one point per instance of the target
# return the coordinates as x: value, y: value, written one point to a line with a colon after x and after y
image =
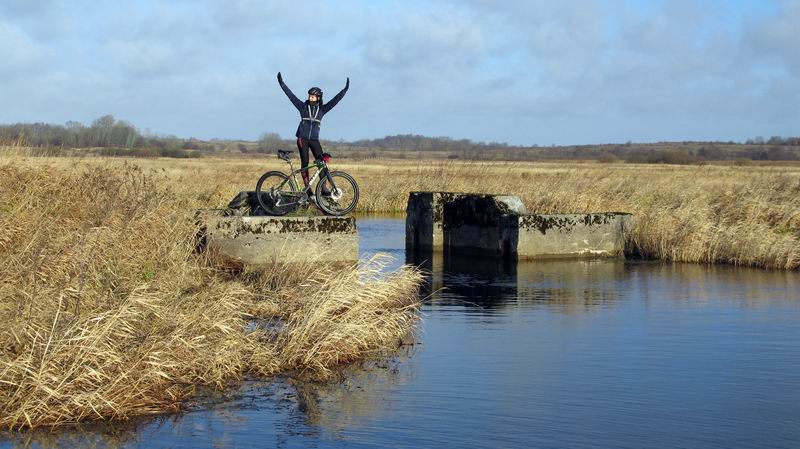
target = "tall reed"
x: 106, y: 312
x: 742, y: 215
x: 746, y: 216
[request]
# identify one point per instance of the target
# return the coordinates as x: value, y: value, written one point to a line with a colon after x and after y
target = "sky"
x: 528, y: 72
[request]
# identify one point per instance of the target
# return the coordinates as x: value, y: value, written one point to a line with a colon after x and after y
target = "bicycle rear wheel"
x: 276, y: 193
x: 341, y: 195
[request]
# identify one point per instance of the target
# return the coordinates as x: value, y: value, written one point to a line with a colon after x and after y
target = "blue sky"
x: 528, y: 72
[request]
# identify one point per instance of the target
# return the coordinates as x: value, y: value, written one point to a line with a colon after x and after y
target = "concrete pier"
x: 500, y: 226
x: 263, y: 240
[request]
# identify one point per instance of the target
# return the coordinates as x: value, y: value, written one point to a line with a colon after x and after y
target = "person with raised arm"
x: 311, y: 113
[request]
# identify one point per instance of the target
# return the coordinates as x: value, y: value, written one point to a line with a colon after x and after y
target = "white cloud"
x: 776, y: 40
x: 526, y: 72
x: 21, y: 55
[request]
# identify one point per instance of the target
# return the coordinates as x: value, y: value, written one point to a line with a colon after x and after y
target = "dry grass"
x: 107, y: 313
x: 738, y: 215
x: 734, y: 215
x: 339, y: 324
x: 746, y: 216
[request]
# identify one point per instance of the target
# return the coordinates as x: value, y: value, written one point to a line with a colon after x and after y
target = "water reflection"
x: 600, y: 353
x: 489, y: 284
x: 702, y: 284
x: 283, y: 412
x: 83, y: 436
x: 363, y: 393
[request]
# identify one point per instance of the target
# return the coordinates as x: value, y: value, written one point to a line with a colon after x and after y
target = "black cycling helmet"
x: 315, y: 91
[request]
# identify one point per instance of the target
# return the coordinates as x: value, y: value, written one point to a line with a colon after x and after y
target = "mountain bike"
x: 336, y: 193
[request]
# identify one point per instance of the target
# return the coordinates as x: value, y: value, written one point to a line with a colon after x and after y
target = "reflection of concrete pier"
x: 570, y: 286
x: 239, y: 234
x: 500, y: 226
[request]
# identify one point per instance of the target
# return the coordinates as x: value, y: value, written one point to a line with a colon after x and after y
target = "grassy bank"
x: 106, y: 312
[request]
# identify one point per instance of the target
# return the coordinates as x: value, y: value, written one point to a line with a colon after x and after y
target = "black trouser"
x: 303, y: 145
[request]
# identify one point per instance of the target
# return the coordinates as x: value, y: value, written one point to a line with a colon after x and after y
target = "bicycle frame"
x: 300, y: 195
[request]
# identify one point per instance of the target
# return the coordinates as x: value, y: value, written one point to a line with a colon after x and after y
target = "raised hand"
x: 346, y: 86
x: 280, y: 78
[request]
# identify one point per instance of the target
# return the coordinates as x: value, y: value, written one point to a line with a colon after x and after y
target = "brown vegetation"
x: 737, y: 214
x: 106, y: 312
x: 710, y: 214
x: 742, y: 215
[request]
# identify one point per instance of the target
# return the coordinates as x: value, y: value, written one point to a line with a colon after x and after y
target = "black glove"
x: 346, y: 86
x: 280, y: 78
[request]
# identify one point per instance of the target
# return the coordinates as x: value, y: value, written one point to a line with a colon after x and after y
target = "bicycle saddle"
x: 283, y: 155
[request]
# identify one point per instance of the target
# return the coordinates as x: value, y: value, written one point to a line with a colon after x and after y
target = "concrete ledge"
x: 262, y: 240
x: 572, y: 235
x: 500, y: 226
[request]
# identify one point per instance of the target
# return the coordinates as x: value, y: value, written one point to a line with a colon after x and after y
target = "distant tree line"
x: 110, y: 137
x: 413, y: 142
x: 661, y: 153
x: 775, y: 140
x: 268, y: 143
x: 758, y: 149
x: 103, y: 132
x: 710, y: 152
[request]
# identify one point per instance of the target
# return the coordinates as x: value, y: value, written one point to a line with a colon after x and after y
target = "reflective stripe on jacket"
x: 311, y: 115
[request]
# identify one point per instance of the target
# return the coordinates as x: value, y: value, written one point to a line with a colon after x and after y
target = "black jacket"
x: 311, y: 115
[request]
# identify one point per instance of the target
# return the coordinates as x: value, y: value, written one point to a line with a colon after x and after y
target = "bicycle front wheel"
x: 337, y: 193
x: 276, y: 193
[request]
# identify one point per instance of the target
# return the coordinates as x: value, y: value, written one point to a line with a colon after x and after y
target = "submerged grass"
x: 106, y: 312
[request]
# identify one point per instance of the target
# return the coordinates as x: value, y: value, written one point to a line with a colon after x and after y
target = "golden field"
x: 742, y: 215
x: 107, y: 312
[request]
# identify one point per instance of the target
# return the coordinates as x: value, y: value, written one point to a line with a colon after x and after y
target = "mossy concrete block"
x: 430, y: 214
x: 260, y: 240
x: 500, y: 226
x: 424, y: 221
x: 572, y: 235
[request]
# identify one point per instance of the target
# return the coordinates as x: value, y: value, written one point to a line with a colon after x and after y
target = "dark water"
x: 556, y: 354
